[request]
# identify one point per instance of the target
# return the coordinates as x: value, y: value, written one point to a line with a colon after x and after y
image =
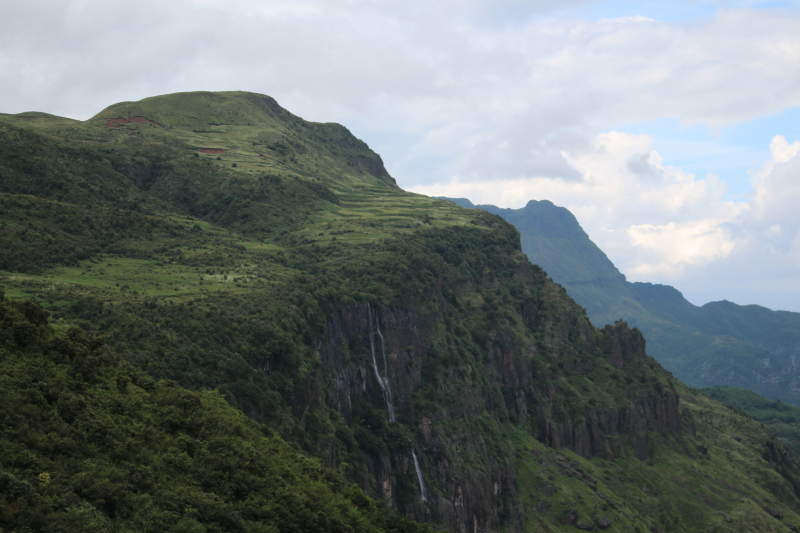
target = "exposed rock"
x: 623, y: 343
x: 772, y: 511
x: 702, y: 450
x: 689, y: 425
x: 603, y: 522
x: 473, y: 498
x: 584, y: 526
x: 570, y: 517
x: 543, y: 506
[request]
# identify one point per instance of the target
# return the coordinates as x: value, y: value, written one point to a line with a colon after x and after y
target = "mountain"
x: 238, y: 261
x: 719, y: 343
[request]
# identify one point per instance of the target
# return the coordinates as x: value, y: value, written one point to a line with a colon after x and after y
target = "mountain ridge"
x: 405, y: 342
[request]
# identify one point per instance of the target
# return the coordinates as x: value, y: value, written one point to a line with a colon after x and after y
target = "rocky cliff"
x: 457, y: 379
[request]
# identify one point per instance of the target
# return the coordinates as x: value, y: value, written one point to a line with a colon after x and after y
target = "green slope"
x: 308, y: 290
x: 720, y: 343
x: 783, y: 419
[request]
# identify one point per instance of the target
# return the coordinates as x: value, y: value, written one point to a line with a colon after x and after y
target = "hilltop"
x: 218, y: 243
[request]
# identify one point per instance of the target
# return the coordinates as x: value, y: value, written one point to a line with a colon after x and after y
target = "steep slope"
x: 718, y: 343
x: 404, y: 341
x: 92, y: 444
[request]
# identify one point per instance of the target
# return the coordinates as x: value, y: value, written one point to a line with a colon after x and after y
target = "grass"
x: 675, y: 491
x: 118, y: 277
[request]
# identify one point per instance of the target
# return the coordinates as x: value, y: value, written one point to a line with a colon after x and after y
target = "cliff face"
x: 449, y: 408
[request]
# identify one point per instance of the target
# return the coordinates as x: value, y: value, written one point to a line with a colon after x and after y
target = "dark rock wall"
x: 472, y: 488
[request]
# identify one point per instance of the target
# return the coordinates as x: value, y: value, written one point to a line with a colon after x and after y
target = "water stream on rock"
x: 422, y: 490
x: 389, y: 401
x: 387, y: 391
x: 383, y: 382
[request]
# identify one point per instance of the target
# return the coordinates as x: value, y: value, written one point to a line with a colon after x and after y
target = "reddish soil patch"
x: 114, y: 122
x: 143, y: 120
x: 262, y: 156
x: 211, y: 151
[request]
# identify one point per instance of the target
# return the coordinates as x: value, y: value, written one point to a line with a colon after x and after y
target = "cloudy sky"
x: 670, y: 129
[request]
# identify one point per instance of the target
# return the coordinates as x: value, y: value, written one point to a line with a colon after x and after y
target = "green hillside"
x: 238, y: 259
x: 783, y: 419
x: 719, y: 343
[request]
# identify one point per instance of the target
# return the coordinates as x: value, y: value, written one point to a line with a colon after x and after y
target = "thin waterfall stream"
x: 389, y: 401
x: 422, y: 490
x: 387, y: 391
x: 383, y: 382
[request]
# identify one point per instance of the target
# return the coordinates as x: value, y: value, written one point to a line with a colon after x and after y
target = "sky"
x: 670, y: 129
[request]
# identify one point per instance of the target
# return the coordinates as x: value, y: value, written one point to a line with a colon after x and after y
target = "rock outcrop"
x: 465, y: 498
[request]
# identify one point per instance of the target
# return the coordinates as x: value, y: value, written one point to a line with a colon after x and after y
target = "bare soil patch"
x: 144, y: 120
x: 114, y: 122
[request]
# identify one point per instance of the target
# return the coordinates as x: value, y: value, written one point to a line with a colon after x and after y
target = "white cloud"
x: 674, y: 246
x: 652, y: 219
x: 782, y: 152
x: 749, y: 252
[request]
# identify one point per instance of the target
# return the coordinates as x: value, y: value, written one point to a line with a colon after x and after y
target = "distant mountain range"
x: 719, y: 343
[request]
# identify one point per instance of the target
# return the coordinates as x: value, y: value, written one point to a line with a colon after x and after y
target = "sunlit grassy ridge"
x: 254, y: 280
x: 255, y: 133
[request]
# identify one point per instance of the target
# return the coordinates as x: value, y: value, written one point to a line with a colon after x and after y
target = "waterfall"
x: 387, y: 390
x: 422, y: 491
x: 386, y: 395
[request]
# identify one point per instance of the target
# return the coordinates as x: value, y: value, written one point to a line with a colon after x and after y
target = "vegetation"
x: 90, y: 443
x: 783, y: 419
x: 247, y: 306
